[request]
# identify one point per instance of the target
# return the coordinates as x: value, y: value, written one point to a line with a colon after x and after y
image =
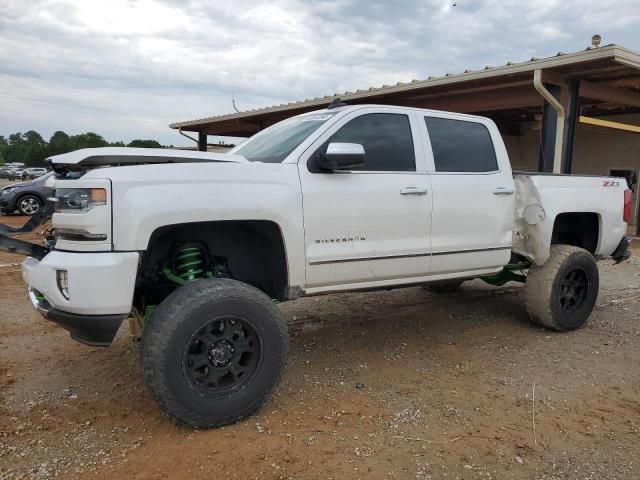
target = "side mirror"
x: 341, y: 156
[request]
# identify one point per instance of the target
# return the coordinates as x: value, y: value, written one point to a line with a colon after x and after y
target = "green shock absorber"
x: 188, y: 265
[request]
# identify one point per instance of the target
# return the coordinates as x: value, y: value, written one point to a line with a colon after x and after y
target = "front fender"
x: 210, y: 192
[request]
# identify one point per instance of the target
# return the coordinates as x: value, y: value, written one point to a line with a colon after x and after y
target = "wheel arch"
x: 32, y: 194
x: 579, y: 229
x: 255, y: 250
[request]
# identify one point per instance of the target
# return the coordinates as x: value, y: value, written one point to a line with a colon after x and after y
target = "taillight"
x: 626, y: 216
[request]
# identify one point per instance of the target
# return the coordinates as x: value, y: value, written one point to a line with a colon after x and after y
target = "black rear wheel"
x: 561, y: 293
x: 574, y: 289
x: 213, y: 351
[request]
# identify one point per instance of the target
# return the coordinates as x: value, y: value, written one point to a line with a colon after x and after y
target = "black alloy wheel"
x: 573, y: 290
x: 222, y: 356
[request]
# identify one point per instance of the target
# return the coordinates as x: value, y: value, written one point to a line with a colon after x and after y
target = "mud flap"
x: 12, y: 245
x: 622, y: 253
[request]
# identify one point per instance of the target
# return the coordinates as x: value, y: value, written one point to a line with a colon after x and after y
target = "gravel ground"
x: 404, y: 384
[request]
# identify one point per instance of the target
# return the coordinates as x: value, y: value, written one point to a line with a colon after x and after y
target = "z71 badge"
x: 610, y: 183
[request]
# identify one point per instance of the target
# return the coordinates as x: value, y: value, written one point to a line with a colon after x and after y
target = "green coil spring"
x: 189, y: 263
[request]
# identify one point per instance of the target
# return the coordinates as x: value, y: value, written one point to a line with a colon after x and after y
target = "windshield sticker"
x: 316, y: 118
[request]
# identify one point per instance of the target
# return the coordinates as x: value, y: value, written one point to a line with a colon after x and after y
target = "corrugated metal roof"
x: 621, y: 54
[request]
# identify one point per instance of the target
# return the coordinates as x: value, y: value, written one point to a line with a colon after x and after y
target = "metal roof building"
x: 540, y: 106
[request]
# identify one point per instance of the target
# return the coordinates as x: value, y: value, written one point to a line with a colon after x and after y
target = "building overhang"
x: 609, y: 83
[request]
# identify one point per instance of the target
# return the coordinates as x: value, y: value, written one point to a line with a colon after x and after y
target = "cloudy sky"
x: 128, y: 68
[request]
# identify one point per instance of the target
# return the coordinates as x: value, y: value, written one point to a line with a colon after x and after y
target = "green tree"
x: 28, y: 148
x: 144, y: 144
x: 35, y: 148
x: 31, y: 149
x: 4, y: 143
x: 59, y: 143
x: 87, y: 140
x: 16, y: 149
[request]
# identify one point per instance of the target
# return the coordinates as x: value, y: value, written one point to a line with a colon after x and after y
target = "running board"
x: 12, y: 245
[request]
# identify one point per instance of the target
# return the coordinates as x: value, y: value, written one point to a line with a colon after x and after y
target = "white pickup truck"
x: 194, y: 247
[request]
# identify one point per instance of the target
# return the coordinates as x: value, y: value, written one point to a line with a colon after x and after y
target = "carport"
x: 570, y: 113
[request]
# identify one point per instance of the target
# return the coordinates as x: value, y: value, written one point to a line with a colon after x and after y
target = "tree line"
x: 31, y: 149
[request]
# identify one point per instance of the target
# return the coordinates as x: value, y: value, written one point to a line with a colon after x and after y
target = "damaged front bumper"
x: 98, y: 286
x: 94, y: 297
x: 93, y: 330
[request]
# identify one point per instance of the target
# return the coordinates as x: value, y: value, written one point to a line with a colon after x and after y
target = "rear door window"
x: 461, y: 146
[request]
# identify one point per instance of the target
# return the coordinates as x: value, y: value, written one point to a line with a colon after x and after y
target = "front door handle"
x: 504, y: 191
x: 413, y: 191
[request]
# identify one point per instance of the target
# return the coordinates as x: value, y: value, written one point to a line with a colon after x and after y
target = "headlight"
x: 6, y: 190
x: 79, y: 200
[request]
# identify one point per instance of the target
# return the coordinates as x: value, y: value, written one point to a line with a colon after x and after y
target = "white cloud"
x: 128, y: 68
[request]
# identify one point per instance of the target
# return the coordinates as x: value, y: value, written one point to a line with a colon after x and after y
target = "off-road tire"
x: 172, y: 327
x: 445, y: 287
x: 544, y: 289
x: 27, y: 203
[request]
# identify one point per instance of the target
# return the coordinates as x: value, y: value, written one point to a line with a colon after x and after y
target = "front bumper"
x: 93, y: 330
x: 8, y: 203
x: 100, y: 290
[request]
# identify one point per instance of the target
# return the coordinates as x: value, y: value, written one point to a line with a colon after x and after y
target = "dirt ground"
x: 4, y: 182
x: 404, y: 384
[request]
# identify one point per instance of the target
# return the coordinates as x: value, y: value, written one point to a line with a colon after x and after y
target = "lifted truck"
x: 195, y: 247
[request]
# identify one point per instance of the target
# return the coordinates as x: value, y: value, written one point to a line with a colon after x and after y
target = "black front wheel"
x: 213, y: 351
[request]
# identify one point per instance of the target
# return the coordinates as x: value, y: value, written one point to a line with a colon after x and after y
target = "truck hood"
x: 96, y: 157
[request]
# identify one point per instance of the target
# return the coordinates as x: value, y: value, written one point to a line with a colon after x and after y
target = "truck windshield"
x: 276, y: 142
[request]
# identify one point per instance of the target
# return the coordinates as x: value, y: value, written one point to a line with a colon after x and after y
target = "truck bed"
x: 541, y: 198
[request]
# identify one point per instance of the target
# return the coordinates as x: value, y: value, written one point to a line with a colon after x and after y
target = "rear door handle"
x: 413, y: 191
x: 504, y: 191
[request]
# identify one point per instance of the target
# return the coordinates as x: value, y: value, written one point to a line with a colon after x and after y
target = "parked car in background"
x: 26, y: 198
x: 4, y: 172
x: 16, y: 174
x: 32, y: 173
